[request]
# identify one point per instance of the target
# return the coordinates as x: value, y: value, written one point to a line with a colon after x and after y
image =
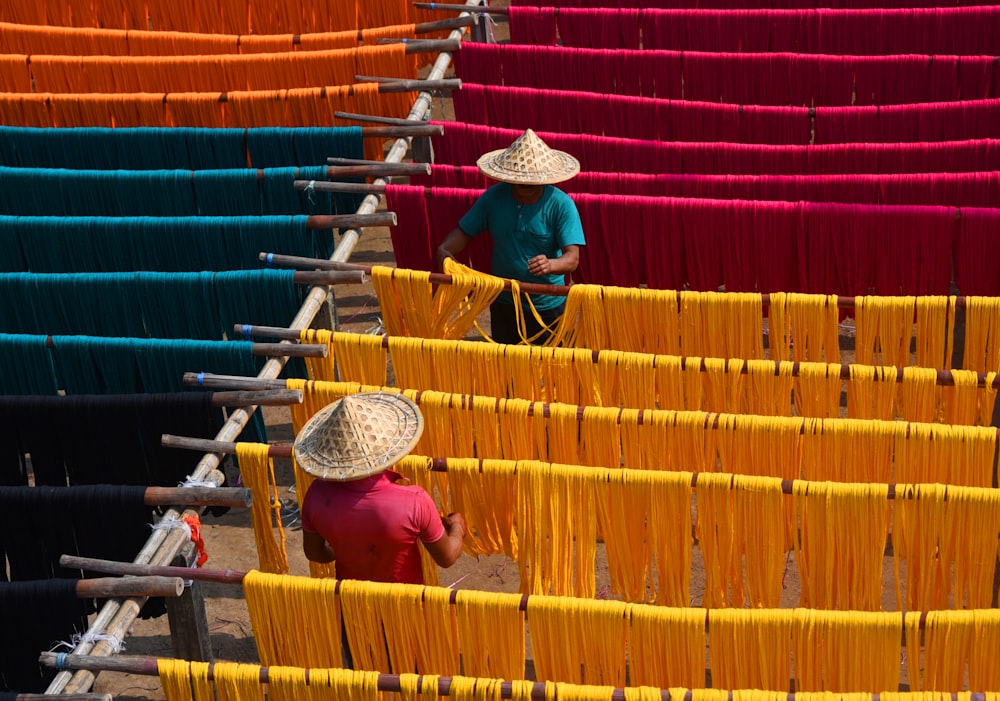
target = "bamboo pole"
x: 148, y: 666
x: 335, y: 221
x: 90, y: 564
x: 268, y: 397
x: 116, y: 616
x: 119, y: 587
x: 476, y: 9
x: 290, y: 350
x: 377, y: 170
x: 296, y: 261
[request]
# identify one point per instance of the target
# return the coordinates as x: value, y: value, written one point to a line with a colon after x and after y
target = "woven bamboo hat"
x: 529, y: 161
x: 358, y: 436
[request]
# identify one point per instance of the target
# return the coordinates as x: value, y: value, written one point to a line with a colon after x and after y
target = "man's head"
x: 529, y: 161
x: 358, y: 436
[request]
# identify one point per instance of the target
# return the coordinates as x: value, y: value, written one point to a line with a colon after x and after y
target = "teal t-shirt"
x: 522, y: 231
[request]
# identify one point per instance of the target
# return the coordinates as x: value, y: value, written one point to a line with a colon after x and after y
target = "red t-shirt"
x: 373, y: 526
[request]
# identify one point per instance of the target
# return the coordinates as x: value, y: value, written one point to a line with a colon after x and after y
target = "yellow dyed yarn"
x: 491, y: 628
x: 700, y: 695
x: 298, y: 684
x: 949, y: 638
x: 666, y: 646
x: 841, y: 539
x: 184, y: 681
x: 961, y: 455
x: 817, y: 390
x: 563, y: 434
x: 750, y: 649
x: 459, y: 304
x: 974, y: 538
x: 919, y: 394
x: 638, y: 383
x: 960, y: 402
x: 717, y: 541
x: 721, y: 325
x: 237, y: 682
x: 668, y: 376
x: 918, y: 526
x: 257, y: 471
x: 803, y: 327
x: 762, y: 537
x: 871, y: 392
x: 849, y: 450
x: 763, y: 392
x: 352, y: 357
x: 582, y: 693
x: 982, y: 326
x: 281, y: 606
x: 578, y: 640
x: 844, y: 651
x: 935, y: 334
x: 627, y: 516
x: 884, y: 327
x: 557, y: 548
x: 642, y: 693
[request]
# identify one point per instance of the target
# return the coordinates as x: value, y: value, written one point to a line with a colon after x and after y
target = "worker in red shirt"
x: 359, y: 513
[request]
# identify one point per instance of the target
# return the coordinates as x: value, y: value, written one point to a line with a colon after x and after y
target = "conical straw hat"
x: 358, y: 436
x: 529, y: 161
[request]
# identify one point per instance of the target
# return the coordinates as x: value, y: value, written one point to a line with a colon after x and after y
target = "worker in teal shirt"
x: 536, y: 230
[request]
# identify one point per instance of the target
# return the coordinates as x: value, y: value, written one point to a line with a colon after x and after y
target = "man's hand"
x: 540, y: 265
x: 454, y: 524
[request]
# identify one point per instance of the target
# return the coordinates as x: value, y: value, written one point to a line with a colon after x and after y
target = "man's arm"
x: 447, y: 549
x: 316, y: 548
x: 454, y: 243
x: 564, y: 264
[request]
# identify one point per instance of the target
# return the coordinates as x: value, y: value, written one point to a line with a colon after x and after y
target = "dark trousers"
x: 503, y: 325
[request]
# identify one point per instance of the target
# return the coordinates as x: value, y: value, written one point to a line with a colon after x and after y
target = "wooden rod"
x: 284, y: 451
x: 328, y: 186
x: 235, y: 497
x: 945, y: 378
x: 558, y: 290
x: 392, y: 86
x: 423, y: 46
x: 444, y: 24
x: 359, y: 188
x: 329, y: 277
x: 711, y: 419
x: 267, y: 397
x: 90, y: 564
x: 439, y: 278
x: 148, y: 666
x: 123, y: 587
x: 476, y: 9
x: 290, y: 350
x: 285, y: 334
x: 400, y: 132
x: 378, y: 170
x: 64, y: 697
x: 335, y: 221
x: 396, y: 121
x: 321, y: 263
x: 202, y: 379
